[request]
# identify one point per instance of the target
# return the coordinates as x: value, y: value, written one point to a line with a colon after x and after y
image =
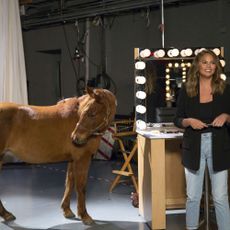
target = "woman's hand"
x: 220, y: 120
x: 194, y: 123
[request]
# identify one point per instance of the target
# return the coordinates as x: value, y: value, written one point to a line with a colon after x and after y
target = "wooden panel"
x: 175, y: 179
x: 159, y: 165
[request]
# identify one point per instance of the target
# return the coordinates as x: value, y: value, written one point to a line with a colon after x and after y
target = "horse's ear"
x: 89, y: 90
x: 93, y: 94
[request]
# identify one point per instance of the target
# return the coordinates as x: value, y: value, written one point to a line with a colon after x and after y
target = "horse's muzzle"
x: 79, y: 142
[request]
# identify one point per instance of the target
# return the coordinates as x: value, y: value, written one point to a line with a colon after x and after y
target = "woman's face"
x: 207, y: 66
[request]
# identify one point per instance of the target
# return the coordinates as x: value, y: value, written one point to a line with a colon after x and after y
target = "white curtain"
x: 12, y: 62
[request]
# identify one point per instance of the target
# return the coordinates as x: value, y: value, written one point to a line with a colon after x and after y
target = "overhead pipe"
x: 162, y: 24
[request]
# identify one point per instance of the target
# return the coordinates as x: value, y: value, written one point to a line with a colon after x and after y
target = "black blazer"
x: 189, y: 107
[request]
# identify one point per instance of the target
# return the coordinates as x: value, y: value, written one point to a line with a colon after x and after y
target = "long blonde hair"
x: 192, y: 84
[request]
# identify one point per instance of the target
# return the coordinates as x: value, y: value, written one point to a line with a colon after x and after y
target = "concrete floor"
x: 33, y: 194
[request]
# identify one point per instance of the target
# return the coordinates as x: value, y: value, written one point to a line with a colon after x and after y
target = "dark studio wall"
x: 204, y: 24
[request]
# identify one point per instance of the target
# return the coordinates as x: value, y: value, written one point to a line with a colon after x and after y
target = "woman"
x: 203, y: 110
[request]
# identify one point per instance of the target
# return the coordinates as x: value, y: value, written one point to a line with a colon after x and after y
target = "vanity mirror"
x: 159, y: 75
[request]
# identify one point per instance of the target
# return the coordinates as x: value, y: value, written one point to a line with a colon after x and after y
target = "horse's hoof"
x: 87, y: 220
x: 69, y: 214
x: 8, y: 217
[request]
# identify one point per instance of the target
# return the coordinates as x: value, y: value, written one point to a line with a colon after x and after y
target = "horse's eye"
x: 93, y: 114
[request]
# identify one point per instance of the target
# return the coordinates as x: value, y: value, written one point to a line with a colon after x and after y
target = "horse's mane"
x: 68, y: 106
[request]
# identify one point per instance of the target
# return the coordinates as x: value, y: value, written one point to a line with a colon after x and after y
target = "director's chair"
x: 125, y: 130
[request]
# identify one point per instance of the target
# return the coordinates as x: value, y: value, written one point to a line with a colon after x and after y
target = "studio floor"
x: 33, y: 193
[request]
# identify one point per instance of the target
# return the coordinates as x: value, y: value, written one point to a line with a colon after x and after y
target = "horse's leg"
x: 7, y: 216
x: 69, y: 183
x: 81, y: 168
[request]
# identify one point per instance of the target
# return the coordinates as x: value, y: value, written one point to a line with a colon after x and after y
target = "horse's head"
x: 96, y: 109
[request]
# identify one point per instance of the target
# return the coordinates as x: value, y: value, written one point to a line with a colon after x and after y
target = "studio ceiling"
x: 43, y: 13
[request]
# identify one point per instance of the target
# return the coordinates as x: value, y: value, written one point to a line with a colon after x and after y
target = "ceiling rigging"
x: 43, y: 13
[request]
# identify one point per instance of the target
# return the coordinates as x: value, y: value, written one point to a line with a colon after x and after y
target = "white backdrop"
x: 12, y: 62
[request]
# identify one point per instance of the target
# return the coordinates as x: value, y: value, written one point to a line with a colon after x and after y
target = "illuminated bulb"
x: 188, y: 52
x: 168, y: 95
x: 223, y: 77
x: 175, y: 52
x: 196, y: 51
x: 216, y: 51
x: 183, y: 53
x: 167, y: 88
x: 176, y: 65
x: 170, y: 53
x: 183, y: 76
x: 141, y: 94
x: 183, y: 73
x: 182, y: 64
x: 170, y: 65
x: 201, y: 49
x: 140, y: 80
x: 140, y: 65
x: 141, y: 109
x: 183, y: 80
x: 167, y: 82
x: 141, y: 124
x: 160, y: 53
x: 188, y: 64
x: 167, y: 76
x: 184, y: 69
x: 167, y: 70
x: 222, y: 62
x: 145, y: 53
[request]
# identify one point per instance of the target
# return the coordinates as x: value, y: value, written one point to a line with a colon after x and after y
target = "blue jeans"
x: 219, y: 184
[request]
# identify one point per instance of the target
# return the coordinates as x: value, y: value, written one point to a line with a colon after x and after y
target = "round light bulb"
x: 183, y: 53
x: 145, y: 53
x: 175, y: 52
x: 141, y: 109
x: 170, y: 53
x: 222, y: 62
x: 176, y: 65
x: 160, y: 53
x: 223, y: 77
x: 141, y: 94
x: 140, y: 65
x: 188, y: 52
x: 141, y: 124
x: 170, y: 65
x: 140, y: 80
x: 216, y: 51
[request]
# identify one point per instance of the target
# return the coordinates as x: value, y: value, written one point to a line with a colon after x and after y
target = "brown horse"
x: 69, y: 131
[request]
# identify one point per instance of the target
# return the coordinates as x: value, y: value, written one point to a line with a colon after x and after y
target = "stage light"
x: 140, y: 65
x: 145, y: 53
